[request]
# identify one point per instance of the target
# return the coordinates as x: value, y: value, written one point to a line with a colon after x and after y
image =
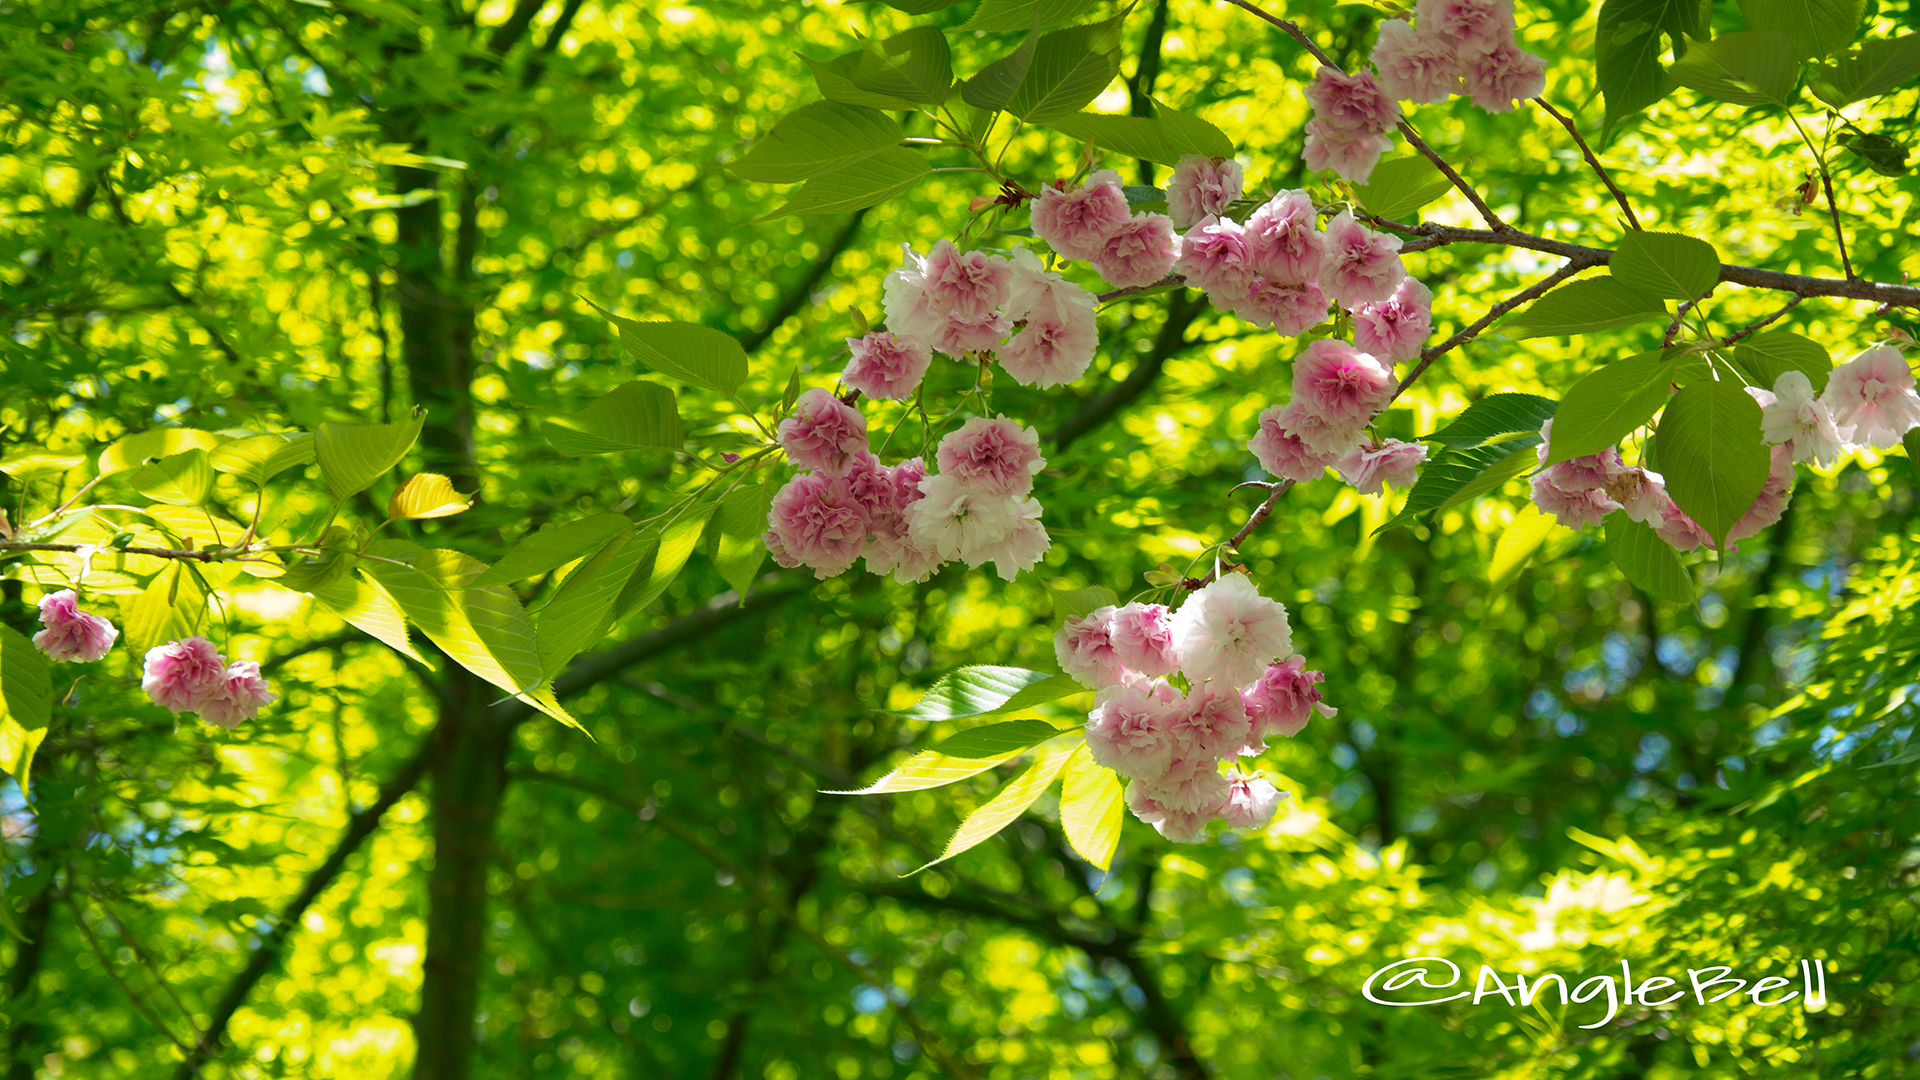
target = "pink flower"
x: 1284, y: 241
x: 910, y: 311
x: 1504, y: 76
x: 1142, y: 636
x: 872, y: 487
x: 889, y: 550
x: 1057, y: 344
x: 1362, y: 266
x: 1394, y: 329
x: 886, y: 365
x: 823, y: 433
x: 1024, y: 544
x: 971, y: 283
x: 71, y: 634
x: 1352, y: 154
x: 180, y: 674
x: 1282, y: 701
x: 1228, y: 631
x: 1209, y: 725
x: 997, y: 456
x: 1251, y: 801
x: 1084, y: 647
x: 1679, y: 530
x: 1576, y: 509
x: 1772, y: 500
x: 1140, y: 252
x: 959, y: 333
x: 1202, y: 187
x: 1801, y: 421
x: 1288, y: 310
x: 1189, y: 786
x: 1128, y: 731
x: 1415, y: 66
x: 1642, y: 494
x: 815, y: 521
x: 1078, y: 222
x: 957, y: 521
x: 1472, y: 27
x: 1318, y: 432
x: 1213, y: 256
x: 236, y: 696
x: 1874, y: 392
x: 1389, y: 462
x: 1341, y: 383
x: 1283, y: 454
x: 1352, y: 103
x: 1179, y: 826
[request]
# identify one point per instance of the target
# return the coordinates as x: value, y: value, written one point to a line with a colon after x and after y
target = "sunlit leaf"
x: 426, y: 495
x: 998, y: 740
x: 983, y: 689
x: 1092, y: 807
x: 353, y: 456
x: 1001, y: 811
x: 26, y: 703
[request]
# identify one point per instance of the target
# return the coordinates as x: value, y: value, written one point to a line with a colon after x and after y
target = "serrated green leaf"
x: 993, y: 86
x: 1493, y: 416
x: 1602, y: 408
x: 1666, y: 265
x: 554, y: 546
x: 171, y: 608
x: 1069, y: 68
x: 1163, y: 138
x: 260, y: 458
x: 869, y: 182
x: 1813, y: 27
x: 184, y: 479
x: 835, y: 79
x: 1629, y: 72
x: 28, y: 464
x: 1876, y: 68
x: 1911, y: 440
x: 26, y: 704
x: 694, y: 354
x: 581, y: 612
x: 999, y: 740
x: 983, y: 690
x: 738, y: 525
x: 675, y: 545
x: 633, y: 416
x: 1765, y: 357
x: 1881, y: 153
x: 483, y: 629
x: 134, y: 450
x: 1518, y: 541
x: 1458, y: 475
x: 915, y: 65
x: 1747, y: 67
x: 919, y: 7
x: 816, y: 139
x: 927, y: 769
x: 1000, y: 811
x: 353, y: 456
x: 1648, y: 561
x: 362, y: 604
x: 1400, y: 186
x: 1091, y: 808
x: 1712, y: 454
x: 1584, y: 307
x: 994, y: 16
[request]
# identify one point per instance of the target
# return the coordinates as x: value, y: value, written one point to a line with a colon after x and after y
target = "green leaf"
x: 675, y: 545
x: 1076, y: 603
x: 1400, y: 186
x: 999, y: 740
x: 554, y: 546
x: 866, y: 183
x: 1712, y: 455
x: 1911, y: 440
x: 184, y: 479
x: 582, y: 611
x: 914, y: 65
x: 1604, y: 407
x: 28, y: 464
x: 1628, y: 70
x: 1880, y: 152
x: 1458, y: 475
x: 738, y: 525
x: 1666, y: 265
x: 835, y: 79
x: 694, y: 354
x: 816, y: 139
x: 1875, y: 68
x: 1812, y: 27
x: 1584, y: 307
x: 1091, y: 807
x: 633, y: 416
x: 1747, y: 67
x: 1517, y: 544
x: 353, y: 456
x: 1163, y: 138
x: 1648, y: 561
x: 260, y: 458
x: 927, y: 769
x: 983, y: 690
x: 1000, y: 811
x: 994, y: 16
x: 1765, y: 357
x: 1493, y: 416
x: 993, y: 86
x: 364, y: 605
x: 426, y: 495
x: 170, y: 608
x: 919, y: 7
x: 1069, y: 69
x: 26, y: 703
x: 134, y: 450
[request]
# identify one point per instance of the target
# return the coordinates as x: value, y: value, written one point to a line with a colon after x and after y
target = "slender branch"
x: 1433, y: 352
x: 139, y: 1003
x: 1833, y: 208
x: 1749, y: 329
x: 205, y: 555
x: 1618, y: 195
x: 1275, y: 493
x: 1679, y: 317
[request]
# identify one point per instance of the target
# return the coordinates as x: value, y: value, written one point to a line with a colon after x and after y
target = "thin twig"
x: 1433, y: 352
x: 1833, y: 208
x: 139, y: 1003
x: 1618, y: 195
x: 1749, y: 329
x: 1679, y: 317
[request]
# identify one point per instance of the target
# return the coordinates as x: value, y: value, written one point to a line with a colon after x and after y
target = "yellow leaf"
x: 427, y: 495
x: 999, y: 812
x: 929, y: 769
x: 1517, y: 544
x: 1091, y: 807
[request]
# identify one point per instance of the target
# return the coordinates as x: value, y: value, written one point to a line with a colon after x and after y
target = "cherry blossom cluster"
x: 184, y: 676
x: 1869, y: 401
x: 71, y: 634
x: 1232, y: 650
x: 1337, y: 390
x: 845, y: 504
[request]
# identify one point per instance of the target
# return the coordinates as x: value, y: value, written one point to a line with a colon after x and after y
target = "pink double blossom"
x: 1251, y: 801
x: 816, y: 522
x: 1209, y: 724
x: 1874, y: 393
x: 71, y: 634
x: 1078, y: 222
x: 1283, y: 453
x: 1178, y: 825
x: 1362, y: 266
x: 1797, y: 419
x: 1394, y: 329
x: 886, y: 365
x: 1504, y: 76
x: 1317, y: 431
x: 1142, y: 636
x: 1387, y: 462
x: 997, y: 455
x: 1202, y: 187
x: 1351, y: 154
x: 1213, y: 257
x: 1772, y: 500
x: 180, y: 674
x: 823, y: 433
x: 1473, y: 27
x: 1229, y: 632
x: 1354, y: 103
x: 237, y: 695
x: 1284, y: 242
x: 1419, y: 67
x: 1287, y: 310
x: 1057, y: 344
x: 1129, y: 731
x: 1084, y: 647
x: 1140, y: 252
x: 1282, y: 700
x: 1340, y: 383
x: 1576, y: 508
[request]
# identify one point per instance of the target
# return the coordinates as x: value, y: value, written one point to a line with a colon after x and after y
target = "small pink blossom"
x: 237, y: 696
x: 1213, y: 256
x: 1229, y: 632
x: 1319, y: 432
x: 1874, y: 393
x: 958, y: 521
x: 1341, y: 383
x: 889, y: 550
x: 1389, y: 462
x: 1351, y: 154
x: 1287, y: 310
x: 1362, y: 266
x: 996, y: 456
x: 971, y: 283
x: 959, y: 333
x: 823, y: 433
x: 1140, y: 252
x: 1584, y: 473
x: 1189, y: 786
x: 1472, y: 27
x: 1504, y: 76
x: 1025, y: 543
x: 1772, y: 500
x: 1283, y: 454
x: 1128, y: 731
x: 1142, y: 637
x: 1179, y: 826
x: 1394, y: 329
x: 1678, y: 530
x: 815, y: 521
x: 1352, y: 103
x: 1414, y: 66
x: 1084, y: 647
x: 71, y: 634
x: 1251, y: 801
x: 1209, y: 725
x: 874, y: 491
x: 886, y: 365
x: 1078, y: 222
x: 1058, y: 342
x: 1202, y: 187
x: 180, y: 674
x: 1575, y: 509
x: 1284, y: 241
x: 1798, y: 419
x: 1282, y: 701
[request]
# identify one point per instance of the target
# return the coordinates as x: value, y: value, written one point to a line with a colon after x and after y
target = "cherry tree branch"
x: 1618, y: 195
x: 1532, y: 292
x: 1749, y: 329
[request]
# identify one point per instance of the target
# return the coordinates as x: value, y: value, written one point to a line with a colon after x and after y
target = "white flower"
x: 1874, y: 393
x: 958, y: 522
x: 1798, y: 419
x: 1023, y: 546
x: 1228, y: 631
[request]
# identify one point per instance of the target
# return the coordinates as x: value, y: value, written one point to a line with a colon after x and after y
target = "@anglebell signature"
x: 1413, y: 972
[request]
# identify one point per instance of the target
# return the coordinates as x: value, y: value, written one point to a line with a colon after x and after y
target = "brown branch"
x: 1618, y: 195
x: 1433, y: 352
x: 1679, y: 318
x: 205, y: 555
x: 1749, y: 329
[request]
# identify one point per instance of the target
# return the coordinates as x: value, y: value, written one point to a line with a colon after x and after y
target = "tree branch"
x: 1618, y: 195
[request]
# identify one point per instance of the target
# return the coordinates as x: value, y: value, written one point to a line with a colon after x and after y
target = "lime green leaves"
x: 26, y: 703
x: 694, y: 354
x: 1875, y: 68
x: 1765, y: 357
x: 353, y: 456
x: 1091, y: 808
x: 1000, y: 811
x: 1610, y: 403
x: 1811, y: 27
x: 1666, y: 265
x: 259, y: 458
x: 1627, y: 47
x: 902, y: 72
x: 1163, y: 138
x: 553, y: 547
x: 1485, y: 447
x: 1585, y: 307
x: 869, y: 183
x: 1050, y: 75
x: 816, y: 139
x: 1398, y: 187
x: 1646, y: 560
x: 984, y: 690
x: 184, y: 479
x: 635, y: 416
x: 1747, y: 67
x: 1711, y: 453
x: 426, y: 495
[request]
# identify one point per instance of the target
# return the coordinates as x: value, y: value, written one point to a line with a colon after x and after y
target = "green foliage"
x: 1711, y: 454
x: 1876, y: 67
x: 1647, y: 561
x: 1666, y: 265
x: 353, y: 456
x: 1163, y: 138
x: 1457, y: 475
x: 1747, y: 67
x: 635, y: 416
x: 1585, y: 307
x: 985, y: 690
x: 1400, y: 186
x: 1608, y: 405
x: 26, y: 704
x: 1814, y: 27
x: 997, y: 740
x: 1765, y: 357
